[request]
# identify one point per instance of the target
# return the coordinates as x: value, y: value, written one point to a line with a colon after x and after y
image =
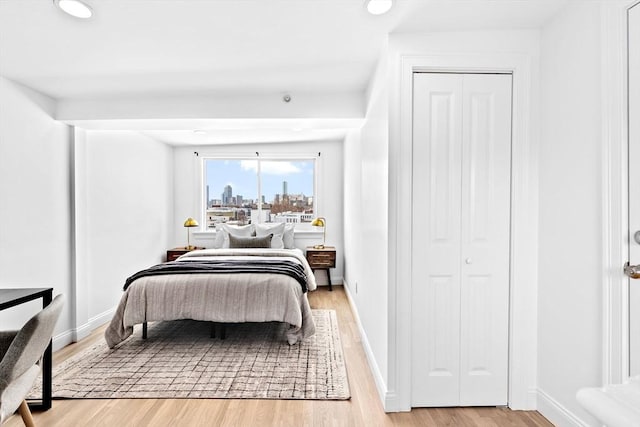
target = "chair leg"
x: 25, y: 413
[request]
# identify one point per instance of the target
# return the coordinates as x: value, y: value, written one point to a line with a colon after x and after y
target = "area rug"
x: 180, y: 360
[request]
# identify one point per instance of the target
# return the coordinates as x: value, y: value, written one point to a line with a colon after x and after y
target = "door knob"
x: 632, y: 271
x: 468, y: 260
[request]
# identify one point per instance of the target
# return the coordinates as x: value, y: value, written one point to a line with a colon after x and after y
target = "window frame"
x: 259, y: 156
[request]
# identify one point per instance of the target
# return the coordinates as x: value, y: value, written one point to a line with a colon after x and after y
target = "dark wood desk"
x: 15, y: 296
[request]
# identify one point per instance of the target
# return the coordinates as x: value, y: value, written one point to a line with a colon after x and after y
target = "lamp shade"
x: 318, y: 222
x: 190, y: 222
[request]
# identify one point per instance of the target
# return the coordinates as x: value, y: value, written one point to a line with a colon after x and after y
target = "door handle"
x: 632, y: 271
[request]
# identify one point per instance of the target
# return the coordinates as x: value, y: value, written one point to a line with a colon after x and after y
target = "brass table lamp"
x: 190, y: 222
x: 320, y: 222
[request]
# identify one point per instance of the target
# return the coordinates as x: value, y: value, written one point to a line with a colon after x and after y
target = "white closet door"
x: 486, y: 190
x: 437, y: 178
x: 461, y: 222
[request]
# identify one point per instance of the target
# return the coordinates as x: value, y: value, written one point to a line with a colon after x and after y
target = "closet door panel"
x: 436, y: 240
x: 485, y: 215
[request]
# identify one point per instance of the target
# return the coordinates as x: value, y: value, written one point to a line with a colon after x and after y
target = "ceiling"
x: 151, y: 47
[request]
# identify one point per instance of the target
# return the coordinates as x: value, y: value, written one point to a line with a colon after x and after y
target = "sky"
x: 241, y: 175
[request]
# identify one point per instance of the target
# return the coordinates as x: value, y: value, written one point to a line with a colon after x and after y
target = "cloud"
x: 249, y: 165
x: 271, y: 167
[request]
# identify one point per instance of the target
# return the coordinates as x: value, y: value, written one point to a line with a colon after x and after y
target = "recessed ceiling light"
x: 378, y: 7
x: 75, y: 8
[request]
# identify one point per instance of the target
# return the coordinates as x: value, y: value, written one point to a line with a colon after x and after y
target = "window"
x: 249, y: 190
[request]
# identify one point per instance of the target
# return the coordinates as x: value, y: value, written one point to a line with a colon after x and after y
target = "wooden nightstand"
x: 174, y: 253
x: 322, y: 259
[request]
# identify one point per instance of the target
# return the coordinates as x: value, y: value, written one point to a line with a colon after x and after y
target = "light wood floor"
x: 364, y: 408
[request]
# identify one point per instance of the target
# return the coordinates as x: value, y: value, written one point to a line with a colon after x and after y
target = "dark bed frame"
x: 223, y: 330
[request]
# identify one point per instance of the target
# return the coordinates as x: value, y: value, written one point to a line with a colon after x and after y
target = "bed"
x: 189, y: 289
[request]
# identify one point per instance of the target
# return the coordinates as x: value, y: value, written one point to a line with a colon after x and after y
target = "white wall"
x: 352, y: 211
x: 329, y: 199
x: 128, y: 212
x: 366, y: 225
x: 570, y: 258
x: 35, y: 201
x: 105, y: 196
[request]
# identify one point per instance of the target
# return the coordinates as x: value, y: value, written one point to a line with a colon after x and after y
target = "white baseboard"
x: 555, y: 412
x: 392, y: 403
x: 82, y: 331
x: 532, y: 399
x: 102, y: 318
x: 63, y: 339
x: 388, y: 399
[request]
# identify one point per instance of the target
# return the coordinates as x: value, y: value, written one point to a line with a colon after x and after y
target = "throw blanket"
x: 186, y: 266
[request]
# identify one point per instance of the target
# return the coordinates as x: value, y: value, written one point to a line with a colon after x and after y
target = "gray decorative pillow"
x: 250, y: 242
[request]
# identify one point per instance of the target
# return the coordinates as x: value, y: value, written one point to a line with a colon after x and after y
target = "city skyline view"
x: 242, y: 176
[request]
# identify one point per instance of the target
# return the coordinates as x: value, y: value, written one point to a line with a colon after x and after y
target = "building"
x: 260, y: 216
x: 292, y: 217
x: 72, y: 108
x: 227, y: 196
x: 216, y: 216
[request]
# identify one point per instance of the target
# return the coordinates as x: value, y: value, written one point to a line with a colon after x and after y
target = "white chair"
x: 20, y: 357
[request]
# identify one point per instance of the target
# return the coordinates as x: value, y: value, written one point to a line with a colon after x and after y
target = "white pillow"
x: 277, y: 241
x: 219, y: 241
x: 237, y: 231
x: 288, y: 240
